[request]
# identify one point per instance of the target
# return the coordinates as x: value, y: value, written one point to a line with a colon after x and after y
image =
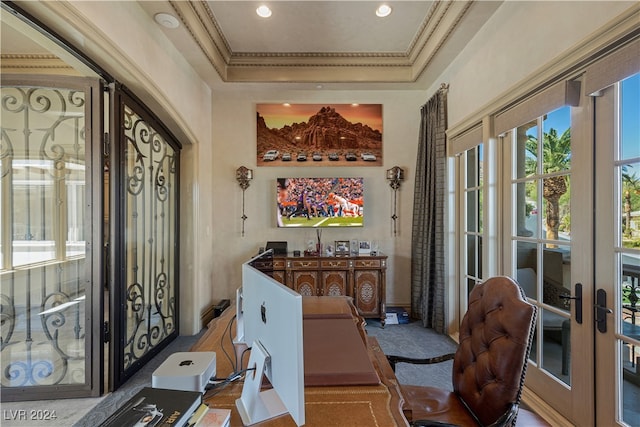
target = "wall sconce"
x: 395, y: 176
x: 244, y: 177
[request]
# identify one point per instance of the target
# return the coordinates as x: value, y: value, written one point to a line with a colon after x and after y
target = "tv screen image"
x: 320, y: 202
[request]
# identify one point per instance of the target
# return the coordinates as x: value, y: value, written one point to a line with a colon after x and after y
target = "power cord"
x: 228, y: 329
x: 217, y: 384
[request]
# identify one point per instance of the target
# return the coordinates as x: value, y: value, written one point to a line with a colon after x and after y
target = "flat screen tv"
x: 271, y: 323
x: 320, y: 202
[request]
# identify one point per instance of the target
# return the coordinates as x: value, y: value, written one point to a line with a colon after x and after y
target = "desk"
x: 353, y: 406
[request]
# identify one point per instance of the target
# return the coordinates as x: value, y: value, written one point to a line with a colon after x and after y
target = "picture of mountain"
x: 319, y: 135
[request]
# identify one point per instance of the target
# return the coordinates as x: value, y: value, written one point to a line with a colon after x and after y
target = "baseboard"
x: 212, y: 312
x: 542, y: 408
x: 207, y: 316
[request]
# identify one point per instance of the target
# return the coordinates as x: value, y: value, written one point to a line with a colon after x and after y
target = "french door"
x: 617, y: 252
x: 548, y: 249
x: 143, y: 205
x: 573, y: 234
x: 51, y: 213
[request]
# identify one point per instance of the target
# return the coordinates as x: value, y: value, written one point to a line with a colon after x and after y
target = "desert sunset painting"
x: 319, y: 134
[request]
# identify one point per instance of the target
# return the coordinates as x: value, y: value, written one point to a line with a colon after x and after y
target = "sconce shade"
x: 244, y: 176
x: 395, y: 175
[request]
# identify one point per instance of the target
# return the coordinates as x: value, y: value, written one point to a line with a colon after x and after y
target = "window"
x: 472, y: 220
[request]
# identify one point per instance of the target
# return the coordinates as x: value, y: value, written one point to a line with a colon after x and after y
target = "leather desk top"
x: 376, y: 404
x: 334, y: 354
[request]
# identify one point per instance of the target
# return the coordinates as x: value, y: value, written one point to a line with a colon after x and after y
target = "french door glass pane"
x: 629, y: 122
x: 473, y: 214
x: 42, y: 181
x: 526, y: 161
x: 556, y: 128
x: 628, y: 171
x: 541, y: 187
x: 150, y: 238
x: 630, y: 204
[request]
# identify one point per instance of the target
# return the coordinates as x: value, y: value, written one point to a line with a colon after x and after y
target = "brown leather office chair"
x: 489, y: 365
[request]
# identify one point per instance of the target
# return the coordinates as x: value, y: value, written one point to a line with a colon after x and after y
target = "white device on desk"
x: 189, y: 371
x: 272, y: 324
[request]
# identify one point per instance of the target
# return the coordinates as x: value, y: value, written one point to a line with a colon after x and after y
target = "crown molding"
x: 35, y: 64
x: 344, y: 67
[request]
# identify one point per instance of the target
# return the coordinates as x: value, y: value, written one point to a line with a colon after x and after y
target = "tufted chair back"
x: 495, y: 338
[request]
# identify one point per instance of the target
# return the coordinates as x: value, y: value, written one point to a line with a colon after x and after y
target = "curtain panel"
x: 428, y: 239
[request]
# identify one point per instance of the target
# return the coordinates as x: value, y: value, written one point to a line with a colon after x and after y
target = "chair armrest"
x: 428, y: 361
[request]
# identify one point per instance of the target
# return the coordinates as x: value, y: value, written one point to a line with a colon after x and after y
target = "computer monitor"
x: 272, y: 323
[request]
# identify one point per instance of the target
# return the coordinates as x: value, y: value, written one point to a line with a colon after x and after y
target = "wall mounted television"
x: 320, y: 202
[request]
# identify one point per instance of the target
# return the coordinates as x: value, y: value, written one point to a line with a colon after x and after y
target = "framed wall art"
x: 319, y: 134
x: 364, y: 247
x: 342, y: 247
x: 353, y: 245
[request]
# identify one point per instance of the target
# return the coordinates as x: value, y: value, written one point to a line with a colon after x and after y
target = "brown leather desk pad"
x: 334, y: 354
x: 326, y: 307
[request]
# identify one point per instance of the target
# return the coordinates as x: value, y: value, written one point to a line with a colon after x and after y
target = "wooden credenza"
x: 361, y: 277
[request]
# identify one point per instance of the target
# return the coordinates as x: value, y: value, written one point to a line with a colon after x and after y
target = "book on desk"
x: 156, y: 407
x: 214, y: 417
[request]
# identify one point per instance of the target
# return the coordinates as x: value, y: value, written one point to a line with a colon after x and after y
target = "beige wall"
x: 234, y: 139
x: 520, y: 40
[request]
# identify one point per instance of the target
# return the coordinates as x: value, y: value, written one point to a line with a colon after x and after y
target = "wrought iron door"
x: 50, y: 276
x: 144, y: 169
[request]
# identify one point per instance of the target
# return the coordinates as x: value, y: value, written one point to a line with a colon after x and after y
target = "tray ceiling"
x: 328, y: 44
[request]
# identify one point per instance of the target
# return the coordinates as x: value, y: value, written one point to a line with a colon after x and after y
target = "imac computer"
x: 271, y: 323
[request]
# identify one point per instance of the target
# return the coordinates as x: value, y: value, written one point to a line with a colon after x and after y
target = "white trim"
x: 540, y: 407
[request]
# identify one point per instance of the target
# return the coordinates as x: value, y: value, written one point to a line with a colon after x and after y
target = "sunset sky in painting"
x: 278, y: 115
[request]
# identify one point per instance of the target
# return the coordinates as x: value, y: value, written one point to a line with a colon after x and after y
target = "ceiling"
x: 305, y: 44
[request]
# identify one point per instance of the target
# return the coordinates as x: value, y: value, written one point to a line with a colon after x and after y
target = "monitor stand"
x: 254, y: 405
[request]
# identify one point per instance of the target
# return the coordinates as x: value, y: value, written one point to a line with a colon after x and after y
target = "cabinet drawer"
x: 367, y: 263
x: 278, y: 264
x: 264, y: 265
x: 335, y: 263
x: 305, y: 263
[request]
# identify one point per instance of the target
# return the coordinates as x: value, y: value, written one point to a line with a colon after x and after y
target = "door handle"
x: 578, y: 301
x: 601, y: 310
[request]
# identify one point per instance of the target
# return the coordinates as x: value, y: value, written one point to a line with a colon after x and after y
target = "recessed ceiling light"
x: 263, y: 11
x: 166, y: 20
x: 383, y: 10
